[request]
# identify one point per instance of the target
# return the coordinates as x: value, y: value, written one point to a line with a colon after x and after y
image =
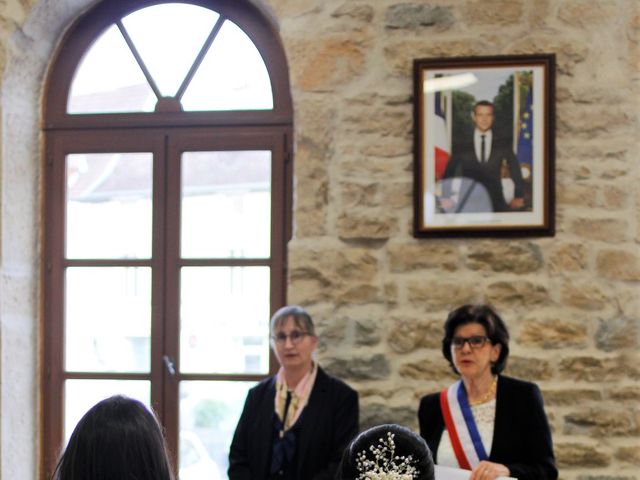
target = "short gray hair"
x: 300, y: 317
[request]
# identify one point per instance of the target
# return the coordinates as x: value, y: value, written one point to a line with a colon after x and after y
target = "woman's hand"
x: 489, y: 471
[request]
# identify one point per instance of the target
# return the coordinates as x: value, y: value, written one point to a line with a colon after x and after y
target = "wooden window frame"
x: 168, y: 134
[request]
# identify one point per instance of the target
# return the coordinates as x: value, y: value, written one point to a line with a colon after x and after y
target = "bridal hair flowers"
x: 385, y: 464
x: 387, y: 452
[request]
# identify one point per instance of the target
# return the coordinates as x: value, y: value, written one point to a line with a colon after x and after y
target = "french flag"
x: 442, y: 131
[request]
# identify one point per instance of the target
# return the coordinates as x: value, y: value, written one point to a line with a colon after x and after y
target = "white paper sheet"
x: 450, y: 473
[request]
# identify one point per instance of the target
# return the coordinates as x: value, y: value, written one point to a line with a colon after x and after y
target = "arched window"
x: 167, y: 211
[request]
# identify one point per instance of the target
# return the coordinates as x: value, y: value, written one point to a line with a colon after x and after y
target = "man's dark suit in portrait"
x: 472, y: 180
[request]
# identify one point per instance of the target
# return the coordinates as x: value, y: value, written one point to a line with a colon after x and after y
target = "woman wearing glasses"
x: 488, y: 423
x: 296, y: 424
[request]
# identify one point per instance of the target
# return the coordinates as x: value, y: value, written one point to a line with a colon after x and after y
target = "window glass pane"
x: 108, y: 79
x: 209, y: 413
x: 81, y: 395
x: 224, y: 320
x: 108, y: 319
x: 232, y: 76
x: 168, y: 38
x: 109, y: 210
x: 226, y: 204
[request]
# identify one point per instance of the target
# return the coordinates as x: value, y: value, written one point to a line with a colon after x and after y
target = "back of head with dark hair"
x: 486, y: 316
x: 118, y: 438
x: 387, y: 449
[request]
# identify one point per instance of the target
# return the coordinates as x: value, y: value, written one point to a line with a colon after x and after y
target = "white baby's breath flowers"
x: 385, y: 464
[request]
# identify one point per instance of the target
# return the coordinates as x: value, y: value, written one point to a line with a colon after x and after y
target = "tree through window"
x: 168, y: 199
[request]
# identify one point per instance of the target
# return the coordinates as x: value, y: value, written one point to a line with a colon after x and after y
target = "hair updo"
x: 393, y: 442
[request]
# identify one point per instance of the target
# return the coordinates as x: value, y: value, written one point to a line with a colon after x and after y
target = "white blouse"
x: 484, y: 414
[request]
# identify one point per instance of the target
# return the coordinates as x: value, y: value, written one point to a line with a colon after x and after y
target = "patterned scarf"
x: 299, y: 396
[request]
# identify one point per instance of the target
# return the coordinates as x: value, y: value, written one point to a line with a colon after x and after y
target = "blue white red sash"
x: 465, y: 438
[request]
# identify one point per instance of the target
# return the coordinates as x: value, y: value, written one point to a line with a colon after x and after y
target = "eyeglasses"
x: 296, y: 337
x: 475, y: 341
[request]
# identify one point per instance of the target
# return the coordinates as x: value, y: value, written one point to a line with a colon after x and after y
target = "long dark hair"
x: 118, y: 438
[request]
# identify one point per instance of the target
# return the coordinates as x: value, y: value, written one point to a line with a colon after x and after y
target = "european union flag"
x: 525, y: 132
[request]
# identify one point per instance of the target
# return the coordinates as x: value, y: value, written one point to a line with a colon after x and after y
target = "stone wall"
x: 379, y: 295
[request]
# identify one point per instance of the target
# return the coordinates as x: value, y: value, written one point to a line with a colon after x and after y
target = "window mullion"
x: 138, y: 58
x: 171, y: 292
x: 203, y: 52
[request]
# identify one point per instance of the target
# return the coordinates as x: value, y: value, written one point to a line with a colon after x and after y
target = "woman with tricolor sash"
x: 486, y: 422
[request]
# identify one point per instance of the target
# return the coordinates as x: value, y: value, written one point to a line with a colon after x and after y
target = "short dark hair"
x: 486, y: 316
x: 117, y: 438
x: 483, y: 103
x: 405, y: 442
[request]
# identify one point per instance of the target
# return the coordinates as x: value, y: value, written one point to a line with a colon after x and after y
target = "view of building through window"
x: 167, y: 39
x: 167, y: 249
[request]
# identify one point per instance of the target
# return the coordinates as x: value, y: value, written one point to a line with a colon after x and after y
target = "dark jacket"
x: 521, y: 435
x: 328, y: 423
x: 464, y: 163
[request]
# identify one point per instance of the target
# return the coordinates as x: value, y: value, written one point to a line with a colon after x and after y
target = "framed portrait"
x: 484, y: 146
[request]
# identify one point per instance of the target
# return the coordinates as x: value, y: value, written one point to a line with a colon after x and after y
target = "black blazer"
x: 521, y: 435
x: 328, y: 424
x: 465, y: 163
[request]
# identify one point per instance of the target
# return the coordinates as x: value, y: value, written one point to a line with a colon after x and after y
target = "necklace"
x: 487, y: 396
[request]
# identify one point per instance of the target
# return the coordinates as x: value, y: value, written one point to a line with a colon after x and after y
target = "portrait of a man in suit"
x: 483, y: 173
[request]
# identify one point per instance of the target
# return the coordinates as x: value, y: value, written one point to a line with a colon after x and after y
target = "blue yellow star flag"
x: 525, y: 131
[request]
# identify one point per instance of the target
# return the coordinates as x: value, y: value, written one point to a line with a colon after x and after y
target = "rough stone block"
x: 517, y: 292
x: 587, y: 121
x: 366, y: 225
x: 408, y: 334
x: 608, y: 230
x: 583, y: 295
x: 580, y: 455
x: 358, y: 294
x: 324, y: 63
x: 362, y: 13
x: 630, y: 393
x: 389, y: 149
x: 413, y: 15
x: 372, y: 367
x: 533, y: 369
x: 618, y: 333
x: 360, y: 194
x: 601, y: 422
x: 427, y: 370
x: 554, y: 334
x: 512, y: 257
x: 629, y: 455
x: 576, y: 194
x: 618, y: 265
x: 493, y: 12
x: 416, y: 256
x: 368, y: 332
x: 400, y: 55
x: 378, y: 414
x: 568, y: 397
x: 589, y: 13
x: 440, y: 294
x: 567, y: 257
x: 594, y: 369
x: 383, y: 121
x: 569, y: 52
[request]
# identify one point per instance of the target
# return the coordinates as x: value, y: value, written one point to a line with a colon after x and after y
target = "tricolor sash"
x: 465, y: 438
